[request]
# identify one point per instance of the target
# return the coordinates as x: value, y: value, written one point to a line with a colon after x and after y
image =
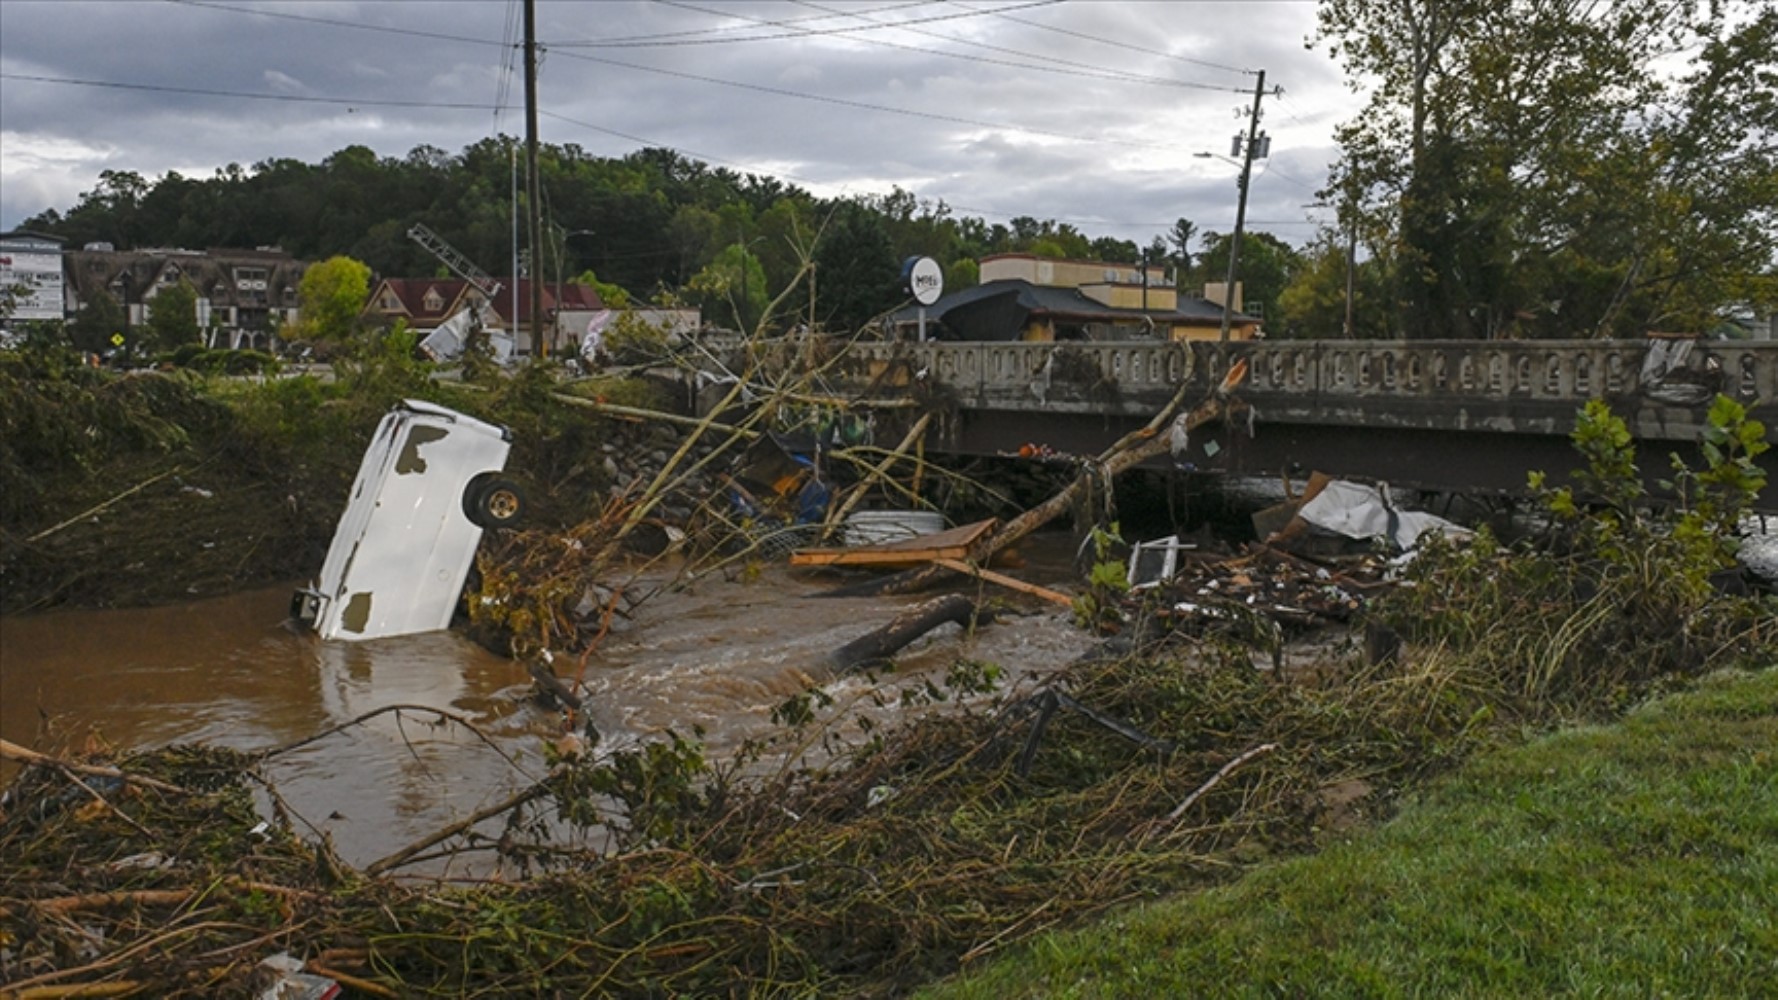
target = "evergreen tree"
x: 98, y: 320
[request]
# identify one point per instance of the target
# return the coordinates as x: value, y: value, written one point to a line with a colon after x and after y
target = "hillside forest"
x: 1522, y: 170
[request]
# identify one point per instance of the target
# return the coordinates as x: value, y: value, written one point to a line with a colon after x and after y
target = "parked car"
x: 430, y: 483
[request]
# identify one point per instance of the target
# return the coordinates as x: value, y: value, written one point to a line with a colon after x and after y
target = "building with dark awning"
x: 1023, y: 297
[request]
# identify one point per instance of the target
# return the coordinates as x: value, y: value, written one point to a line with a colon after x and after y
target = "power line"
x: 1040, y: 67
x: 1001, y: 13
x: 779, y: 23
x: 331, y: 22
x: 503, y: 88
x: 867, y: 106
x: 984, y: 213
x: 635, y: 40
x: 249, y: 96
x: 1042, y: 64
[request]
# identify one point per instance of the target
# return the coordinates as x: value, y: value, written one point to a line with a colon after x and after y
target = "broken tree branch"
x: 1126, y: 453
x: 879, y: 644
x: 1215, y: 779
x: 507, y: 804
x: 12, y: 751
x: 150, y: 481
x: 837, y: 515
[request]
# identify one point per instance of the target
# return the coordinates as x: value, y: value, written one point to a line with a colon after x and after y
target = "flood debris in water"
x: 1167, y: 762
x: 922, y: 847
x: 1334, y: 516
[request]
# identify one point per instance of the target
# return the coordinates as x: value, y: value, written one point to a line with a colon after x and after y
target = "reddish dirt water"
x: 718, y: 657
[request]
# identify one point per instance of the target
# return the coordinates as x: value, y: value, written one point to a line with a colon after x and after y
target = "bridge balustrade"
x: 1560, y: 371
x: 1532, y: 386
x: 1018, y: 375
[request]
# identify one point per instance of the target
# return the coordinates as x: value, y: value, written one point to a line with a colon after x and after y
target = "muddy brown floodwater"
x: 719, y: 656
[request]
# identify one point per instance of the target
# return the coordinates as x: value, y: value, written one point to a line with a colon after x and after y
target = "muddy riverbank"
x: 716, y: 659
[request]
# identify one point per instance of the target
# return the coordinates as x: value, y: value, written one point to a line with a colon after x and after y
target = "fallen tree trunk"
x: 1128, y: 452
x: 879, y: 644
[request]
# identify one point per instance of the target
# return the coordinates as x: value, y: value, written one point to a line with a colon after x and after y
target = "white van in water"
x: 429, y: 484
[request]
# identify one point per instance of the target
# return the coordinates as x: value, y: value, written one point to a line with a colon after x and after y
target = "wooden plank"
x: 872, y: 556
x: 1053, y: 596
x: 952, y: 543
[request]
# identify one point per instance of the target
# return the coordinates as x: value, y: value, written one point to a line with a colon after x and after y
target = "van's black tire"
x: 491, y: 502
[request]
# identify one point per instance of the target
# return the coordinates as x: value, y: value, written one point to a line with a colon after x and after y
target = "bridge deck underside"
x: 1475, y: 462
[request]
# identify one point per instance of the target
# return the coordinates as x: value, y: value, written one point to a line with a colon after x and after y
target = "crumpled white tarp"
x: 1362, y: 512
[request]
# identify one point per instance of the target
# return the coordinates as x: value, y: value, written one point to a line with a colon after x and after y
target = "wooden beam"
x: 1053, y: 596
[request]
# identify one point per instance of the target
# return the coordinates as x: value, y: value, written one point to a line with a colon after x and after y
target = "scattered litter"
x: 1154, y: 561
x: 1335, y: 517
x: 1668, y: 377
x: 150, y: 861
x: 291, y: 983
x: 1365, y: 513
x: 1210, y: 589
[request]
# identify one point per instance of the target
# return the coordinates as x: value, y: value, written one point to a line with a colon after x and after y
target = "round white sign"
x: 926, y: 282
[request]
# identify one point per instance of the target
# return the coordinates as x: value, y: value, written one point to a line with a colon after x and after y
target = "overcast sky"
x: 1083, y: 112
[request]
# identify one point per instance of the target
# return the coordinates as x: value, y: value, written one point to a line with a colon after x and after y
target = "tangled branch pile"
x: 917, y: 850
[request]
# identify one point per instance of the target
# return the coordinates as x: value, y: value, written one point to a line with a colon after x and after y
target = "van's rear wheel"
x: 492, y: 502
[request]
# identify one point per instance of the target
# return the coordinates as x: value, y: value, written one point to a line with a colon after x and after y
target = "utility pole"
x: 1228, y: 290
x: 1351, y: 247
x: 1351, y: 269
x: 534, y: 207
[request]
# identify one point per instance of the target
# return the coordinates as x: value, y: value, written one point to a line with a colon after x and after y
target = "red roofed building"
x: 427, y: 302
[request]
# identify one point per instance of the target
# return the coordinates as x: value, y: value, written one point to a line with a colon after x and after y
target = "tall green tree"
x: 1540, y: 169
x: 1267, y: 266
x: 330, y: 298
x: 1180, y: 238
x: 1313, y: 305
x: 173, y: 316
x: 732, y: 288
x: 858, y: 276
x: 98, y: 319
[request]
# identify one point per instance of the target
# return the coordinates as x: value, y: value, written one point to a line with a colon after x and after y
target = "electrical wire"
x: 779, y: 23
x: 984, y: 213
x: 1040, y: 63
x: 658, y: 36
x: 1001, y: 13
x: 332, y: 22
x: 248, y: 95
x: 508, y: 62
x: 867, y: 106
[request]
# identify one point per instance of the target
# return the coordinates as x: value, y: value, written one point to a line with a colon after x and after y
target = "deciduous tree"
x: 173, y: 316
x: 1543, y: 168
x: 331, y: 297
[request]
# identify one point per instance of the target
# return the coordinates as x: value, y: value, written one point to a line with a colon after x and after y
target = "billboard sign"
x: 30, y: 278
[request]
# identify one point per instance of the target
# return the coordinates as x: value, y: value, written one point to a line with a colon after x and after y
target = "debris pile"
x: 1293, y: 592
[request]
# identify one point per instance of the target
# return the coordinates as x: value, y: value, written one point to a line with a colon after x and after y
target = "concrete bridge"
x: 1461, y: 416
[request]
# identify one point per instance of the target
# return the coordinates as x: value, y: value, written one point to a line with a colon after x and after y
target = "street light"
x: 1228, y: 288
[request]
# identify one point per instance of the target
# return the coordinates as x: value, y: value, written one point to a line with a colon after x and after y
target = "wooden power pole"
x: 534, y: 200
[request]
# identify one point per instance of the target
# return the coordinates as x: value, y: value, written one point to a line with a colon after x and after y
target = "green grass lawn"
x: 1637, y: 859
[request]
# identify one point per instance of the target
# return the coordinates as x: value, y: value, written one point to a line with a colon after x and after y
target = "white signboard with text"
x: 30, y: 278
